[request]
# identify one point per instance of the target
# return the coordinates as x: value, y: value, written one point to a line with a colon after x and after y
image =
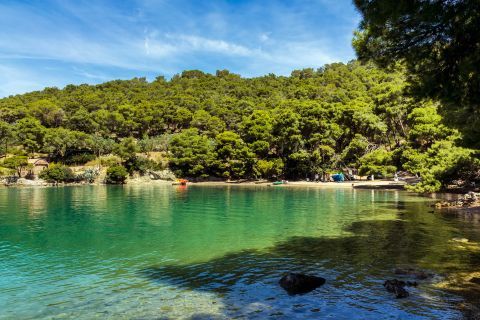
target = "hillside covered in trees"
x: 314, y: 121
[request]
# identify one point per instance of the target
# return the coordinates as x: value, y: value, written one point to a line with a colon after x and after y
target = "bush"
x: 17, y: 151
x: 268, y: 169
x: 116, y: 175
x: 141, y: 165
x: 5, y: 172
x: 378, y: 163
x: 57, y: 173
x: 89, y: 175
x: 440, y: 165
x: 17, y: 163
x: 110, y: 161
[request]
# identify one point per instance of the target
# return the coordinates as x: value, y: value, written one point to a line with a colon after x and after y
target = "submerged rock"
x: 475, y: 280
x: 297, y: 283
x: 397, y: 287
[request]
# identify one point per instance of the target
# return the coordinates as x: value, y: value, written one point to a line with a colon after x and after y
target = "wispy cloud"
x: 60, y: 42
x: 196, y: 43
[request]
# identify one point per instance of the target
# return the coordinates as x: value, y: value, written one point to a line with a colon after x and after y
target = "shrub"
x: 116, y: 175
x: 57, y: 173
x: 141, y: 165
x: 110, y: 161
x: 268, y: 169
x: 17, y: 163
x: 5, y: 172
x: 378, y: 163
x: 17, y: 151
x: 89, y: 175
x: 440, y: 165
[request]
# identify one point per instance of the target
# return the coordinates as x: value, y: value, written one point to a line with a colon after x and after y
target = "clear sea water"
x: 204, y: 252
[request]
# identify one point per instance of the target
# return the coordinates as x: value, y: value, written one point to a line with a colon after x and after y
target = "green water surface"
x: 166, y: 252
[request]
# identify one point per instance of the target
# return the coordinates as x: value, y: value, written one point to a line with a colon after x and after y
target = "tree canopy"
x: 314, y: 121
x: 439, y: 43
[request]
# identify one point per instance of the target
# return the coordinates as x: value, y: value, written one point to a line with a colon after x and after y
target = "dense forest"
x: 353, y: 115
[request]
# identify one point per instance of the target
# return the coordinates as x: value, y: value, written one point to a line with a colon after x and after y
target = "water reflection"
x: 355, y: 268
x: 203, y: 252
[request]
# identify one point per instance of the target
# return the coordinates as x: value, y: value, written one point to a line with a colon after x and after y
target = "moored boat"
x: 180, y: 182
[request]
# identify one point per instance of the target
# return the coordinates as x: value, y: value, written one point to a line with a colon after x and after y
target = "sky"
x: 52, y: 43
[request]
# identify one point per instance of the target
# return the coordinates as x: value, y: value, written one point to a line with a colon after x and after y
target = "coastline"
x: 379, y: 184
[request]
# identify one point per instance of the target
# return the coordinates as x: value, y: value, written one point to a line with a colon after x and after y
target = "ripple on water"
x: 145, y: 252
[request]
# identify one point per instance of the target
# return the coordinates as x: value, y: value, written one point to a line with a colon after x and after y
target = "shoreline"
x: 372, y: 185
x: 379, y: 184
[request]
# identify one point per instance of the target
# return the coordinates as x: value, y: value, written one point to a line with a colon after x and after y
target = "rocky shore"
x: 469, y: 202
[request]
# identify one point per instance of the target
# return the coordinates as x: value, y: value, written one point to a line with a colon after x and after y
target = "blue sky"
x: 54, y: 43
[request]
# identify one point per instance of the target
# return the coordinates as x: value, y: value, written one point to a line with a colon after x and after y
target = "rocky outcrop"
x: 15, y: 181
x: 397, y: 287
x: 166, y: 174
x: 297, y: 283
x: 470, y: 199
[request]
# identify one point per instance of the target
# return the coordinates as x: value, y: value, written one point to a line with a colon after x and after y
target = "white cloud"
x: 196, y: 43
x: 91, y: 41
x: 264, y: 36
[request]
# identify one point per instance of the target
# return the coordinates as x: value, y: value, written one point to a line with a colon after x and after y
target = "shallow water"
x: 150, y: 252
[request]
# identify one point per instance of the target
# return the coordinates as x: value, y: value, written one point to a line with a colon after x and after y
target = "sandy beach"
x: 379, y: 184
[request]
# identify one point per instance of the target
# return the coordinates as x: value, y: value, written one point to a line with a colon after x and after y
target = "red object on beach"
x: 181, y: 182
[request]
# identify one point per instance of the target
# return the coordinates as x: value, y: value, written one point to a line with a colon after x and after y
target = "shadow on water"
x: 355, y: 267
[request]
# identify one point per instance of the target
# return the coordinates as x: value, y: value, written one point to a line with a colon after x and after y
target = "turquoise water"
x: 166, y: 252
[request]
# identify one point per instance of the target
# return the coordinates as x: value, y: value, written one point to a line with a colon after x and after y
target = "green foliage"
x: 6, y: 131
x: 17, y: 163
x: 438, y: 41
x: 156, y: 143
x: 79, y: 159
x: 203, y: 125
x: 116, y: 175
x: 89, y: 175
x: 193, y: 154
x: 378, y: 162
x: 439, y: 165
x: 105, y: 161
x: 127, y: 148
x: 268, y: 169
x: 59, y: 142
x: 101, y: 146
x: 286, y: 131
x: 256, y: 130
x: 47, y: 112
x: 235, y: 158
x: 6, y: 172
x: 426, y: 126
x: 432, y: 152
x: 140, y: 164
x: 30, y: 133
x: 57, y: 173
x: 357, y: 147
x: 302, y: 162
x: 207, y: 124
